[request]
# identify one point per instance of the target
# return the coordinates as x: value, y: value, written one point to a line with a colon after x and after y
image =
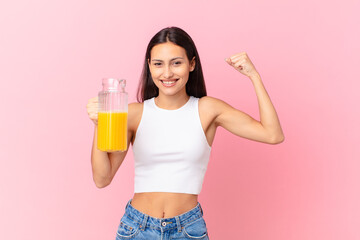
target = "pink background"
x: 53, y: 55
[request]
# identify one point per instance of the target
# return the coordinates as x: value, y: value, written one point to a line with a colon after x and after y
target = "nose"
x: 167, y: 72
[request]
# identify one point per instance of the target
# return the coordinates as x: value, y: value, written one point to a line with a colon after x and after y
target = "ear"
x: 192, y: 64
x: 148, y: 60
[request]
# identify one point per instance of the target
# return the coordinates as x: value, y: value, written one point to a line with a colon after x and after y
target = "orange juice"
x: 112, y: 131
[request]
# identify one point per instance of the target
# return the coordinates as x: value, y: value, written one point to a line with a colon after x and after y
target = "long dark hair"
x: 195, y: 85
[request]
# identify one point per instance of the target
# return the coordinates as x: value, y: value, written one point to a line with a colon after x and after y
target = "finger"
x: 94, y: 99
x: 93, y: 116
x: 91, y: 106
x: 92, y: 103
x: 234, y: 56
x: 242, y: 54
x: 240, y: 63
x: 228, y: 60
x: 237, y: 58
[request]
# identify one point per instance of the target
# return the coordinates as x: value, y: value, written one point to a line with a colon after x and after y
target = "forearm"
x: 268, y: 115
x: 101, y: 164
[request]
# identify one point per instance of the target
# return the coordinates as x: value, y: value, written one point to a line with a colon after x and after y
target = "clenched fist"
x: 93, y: 109
x: 243, y: 64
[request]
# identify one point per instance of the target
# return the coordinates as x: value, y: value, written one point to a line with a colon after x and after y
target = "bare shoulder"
x: 134, y: 114
x: 217, y: 110
x: 209, y: 109
x: 135, y: 107
x: 211, y: 104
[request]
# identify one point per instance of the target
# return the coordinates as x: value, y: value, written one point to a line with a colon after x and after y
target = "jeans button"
x: 163, y: 224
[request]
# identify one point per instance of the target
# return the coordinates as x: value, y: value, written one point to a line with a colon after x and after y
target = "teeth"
x: 169, y: 82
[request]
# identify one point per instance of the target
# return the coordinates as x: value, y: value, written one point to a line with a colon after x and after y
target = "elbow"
x: 101, y: 183
x: 277, y: 139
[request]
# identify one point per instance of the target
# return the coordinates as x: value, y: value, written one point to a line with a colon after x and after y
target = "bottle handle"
x: 122, y: 84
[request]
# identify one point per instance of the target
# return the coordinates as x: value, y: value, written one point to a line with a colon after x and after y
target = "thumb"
x: 228, y: 60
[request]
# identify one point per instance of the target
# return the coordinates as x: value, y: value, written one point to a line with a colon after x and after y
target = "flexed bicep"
x: 241, y: 124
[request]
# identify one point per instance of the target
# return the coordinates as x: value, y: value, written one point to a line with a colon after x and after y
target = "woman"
x: 172, y: 129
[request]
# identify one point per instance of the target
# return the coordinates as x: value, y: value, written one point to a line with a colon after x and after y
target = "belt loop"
x: 178, y: 223
x: 143, y: 224
x: 202, y: 213
x: 128, y: 203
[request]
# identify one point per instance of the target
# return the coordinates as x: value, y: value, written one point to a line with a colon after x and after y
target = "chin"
x: 170, y: 91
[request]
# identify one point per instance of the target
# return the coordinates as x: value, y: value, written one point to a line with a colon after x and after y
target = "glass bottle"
x: 112, y: 116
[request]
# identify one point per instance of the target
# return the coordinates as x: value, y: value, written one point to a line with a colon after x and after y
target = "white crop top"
x: 170, y: 150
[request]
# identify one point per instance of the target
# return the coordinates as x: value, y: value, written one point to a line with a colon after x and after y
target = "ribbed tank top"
x: 171, y: 152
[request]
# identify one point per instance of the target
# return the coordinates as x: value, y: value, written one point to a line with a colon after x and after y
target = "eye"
x: 177, y: 63
x: 157, y: 64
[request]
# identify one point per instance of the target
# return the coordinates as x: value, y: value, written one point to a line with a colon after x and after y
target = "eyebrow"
x: 170, y: 59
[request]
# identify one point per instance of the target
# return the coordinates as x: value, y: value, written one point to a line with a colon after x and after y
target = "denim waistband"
x: 163, y: 224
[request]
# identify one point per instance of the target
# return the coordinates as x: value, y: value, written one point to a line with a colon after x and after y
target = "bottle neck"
x: 112, y: 84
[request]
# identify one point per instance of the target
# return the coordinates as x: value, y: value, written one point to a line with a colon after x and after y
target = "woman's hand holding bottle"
x: 93, y: 109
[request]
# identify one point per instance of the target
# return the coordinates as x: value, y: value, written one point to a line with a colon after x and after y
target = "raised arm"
x: 268, y: 129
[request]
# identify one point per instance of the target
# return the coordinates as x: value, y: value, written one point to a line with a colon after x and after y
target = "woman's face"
x: 170, y: 68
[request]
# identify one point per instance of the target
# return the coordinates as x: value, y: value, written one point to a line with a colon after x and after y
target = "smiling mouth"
x: 169, y: 83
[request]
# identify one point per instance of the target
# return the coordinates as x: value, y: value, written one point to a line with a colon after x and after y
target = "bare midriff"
x: 164, y: 204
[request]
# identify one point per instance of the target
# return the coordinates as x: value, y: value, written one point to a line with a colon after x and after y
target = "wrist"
x: 255, y: 76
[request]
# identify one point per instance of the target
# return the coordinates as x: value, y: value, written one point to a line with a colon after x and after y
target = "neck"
x: 171, y: 102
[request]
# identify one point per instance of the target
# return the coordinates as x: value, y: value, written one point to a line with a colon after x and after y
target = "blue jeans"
x: 137, y: 225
